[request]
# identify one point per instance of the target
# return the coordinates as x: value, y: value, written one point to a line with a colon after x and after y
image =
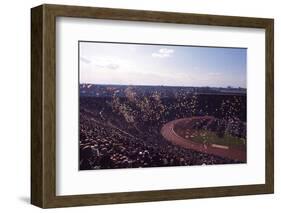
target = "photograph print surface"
x: 155, y: 105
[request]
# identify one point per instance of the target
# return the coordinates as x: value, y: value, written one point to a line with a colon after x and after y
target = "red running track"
x: 169, y: 134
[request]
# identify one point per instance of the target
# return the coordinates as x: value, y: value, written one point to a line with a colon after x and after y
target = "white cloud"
x: 103, y: 62
x: 166, y: 51
x: 163, y: 53
x: 112, y: 66
x: 214, y: 73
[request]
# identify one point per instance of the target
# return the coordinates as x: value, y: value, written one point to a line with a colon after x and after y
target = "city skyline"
x: 162, y: 65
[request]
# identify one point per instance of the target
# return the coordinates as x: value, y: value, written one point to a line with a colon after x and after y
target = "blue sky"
x: 167, y: 65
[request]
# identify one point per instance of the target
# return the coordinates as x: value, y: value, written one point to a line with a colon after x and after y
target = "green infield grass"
x: 208, y: 137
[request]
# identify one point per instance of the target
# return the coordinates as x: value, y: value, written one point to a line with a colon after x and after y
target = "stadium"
x: 124, y: 126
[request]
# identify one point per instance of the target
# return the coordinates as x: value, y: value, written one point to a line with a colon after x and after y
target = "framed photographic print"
x: 136, y: 106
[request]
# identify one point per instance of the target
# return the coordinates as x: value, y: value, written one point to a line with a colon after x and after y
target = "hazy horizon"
x: 145, y: 85
x: 162, y: 65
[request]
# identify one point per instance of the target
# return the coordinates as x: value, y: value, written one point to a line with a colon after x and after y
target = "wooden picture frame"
x: 43, y: 105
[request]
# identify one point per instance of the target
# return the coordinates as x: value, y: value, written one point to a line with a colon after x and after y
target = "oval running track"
x: 169, y: 134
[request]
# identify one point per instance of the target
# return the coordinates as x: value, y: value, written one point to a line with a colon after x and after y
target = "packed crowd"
x: 106, y: 147
x: 124, y: 132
